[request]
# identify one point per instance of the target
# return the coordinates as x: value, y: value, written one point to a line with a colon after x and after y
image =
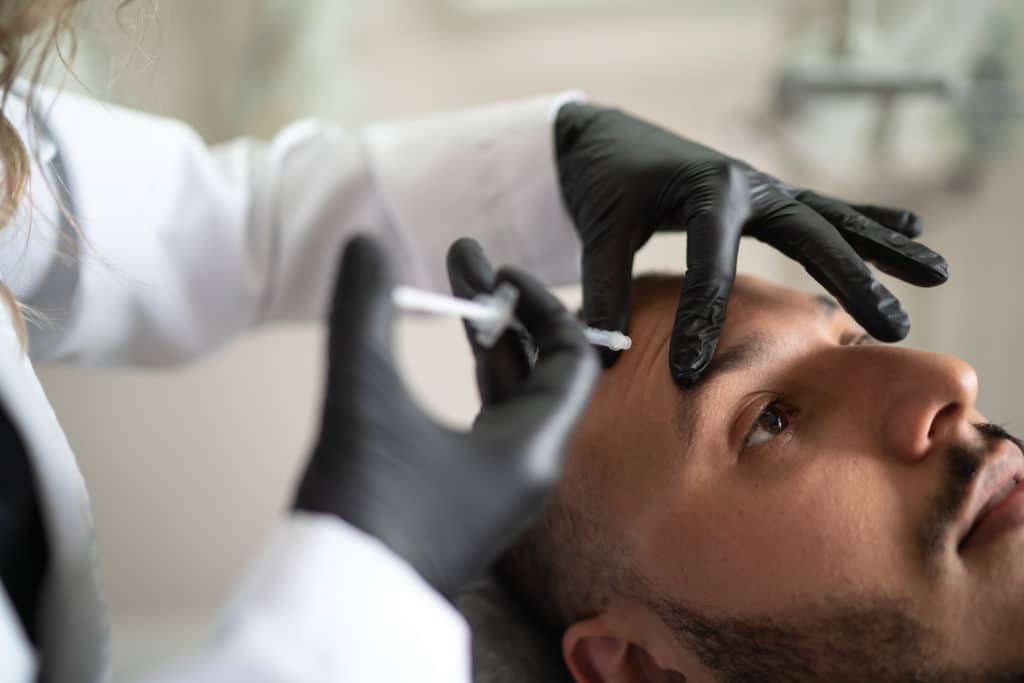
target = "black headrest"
x: 509, y: 644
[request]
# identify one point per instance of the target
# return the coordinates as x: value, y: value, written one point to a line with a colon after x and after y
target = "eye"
x: 772, y: 421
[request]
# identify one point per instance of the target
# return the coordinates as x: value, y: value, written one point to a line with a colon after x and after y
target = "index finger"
x: 713, y: 233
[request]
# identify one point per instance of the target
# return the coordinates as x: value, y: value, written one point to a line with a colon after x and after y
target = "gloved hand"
x: 623, y: 178
x: 447, y: 502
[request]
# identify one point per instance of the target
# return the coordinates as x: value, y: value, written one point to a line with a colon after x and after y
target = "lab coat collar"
x: 73, y: 634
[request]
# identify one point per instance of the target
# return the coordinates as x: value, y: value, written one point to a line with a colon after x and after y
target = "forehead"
x: 754, y: 303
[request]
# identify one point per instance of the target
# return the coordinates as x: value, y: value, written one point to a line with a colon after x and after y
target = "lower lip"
x: 1008, y: 514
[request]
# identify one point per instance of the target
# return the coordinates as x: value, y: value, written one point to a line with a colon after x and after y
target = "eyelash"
x: 781, y: 408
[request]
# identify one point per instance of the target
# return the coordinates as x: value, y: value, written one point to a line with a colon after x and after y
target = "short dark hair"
x: 574, y: 559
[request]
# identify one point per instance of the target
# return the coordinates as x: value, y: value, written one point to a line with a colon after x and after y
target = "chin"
x: 1004, y: 562
x: 1000, y: 593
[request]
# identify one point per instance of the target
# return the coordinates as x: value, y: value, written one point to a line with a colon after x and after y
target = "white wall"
x: 189, y: 467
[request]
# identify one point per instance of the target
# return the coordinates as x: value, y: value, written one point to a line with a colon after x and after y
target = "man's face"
x: 810, y: 468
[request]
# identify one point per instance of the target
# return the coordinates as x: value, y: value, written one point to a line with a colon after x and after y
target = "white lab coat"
x: 185, y: 247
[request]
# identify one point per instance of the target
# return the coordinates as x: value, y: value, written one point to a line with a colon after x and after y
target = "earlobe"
x: 595, y: 654
x: 592, y: 654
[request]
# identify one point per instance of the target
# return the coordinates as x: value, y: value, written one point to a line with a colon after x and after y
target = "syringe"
x: 490, y: 314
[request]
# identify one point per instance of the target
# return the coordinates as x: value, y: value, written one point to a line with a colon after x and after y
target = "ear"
x: 595, y: 653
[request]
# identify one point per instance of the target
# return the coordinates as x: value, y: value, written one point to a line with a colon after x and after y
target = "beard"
x: 865, y: 640
x: 846, y: 639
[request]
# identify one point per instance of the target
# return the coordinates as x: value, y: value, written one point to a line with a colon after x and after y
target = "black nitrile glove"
x: 623, y: 178
x: 447, y: 502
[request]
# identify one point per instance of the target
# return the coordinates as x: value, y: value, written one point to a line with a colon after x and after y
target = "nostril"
x: 947, y: 413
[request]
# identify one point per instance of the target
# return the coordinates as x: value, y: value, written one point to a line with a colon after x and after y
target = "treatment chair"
x: 510, y: 645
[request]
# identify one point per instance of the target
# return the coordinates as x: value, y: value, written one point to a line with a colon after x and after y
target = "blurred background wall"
x: 188, y: 468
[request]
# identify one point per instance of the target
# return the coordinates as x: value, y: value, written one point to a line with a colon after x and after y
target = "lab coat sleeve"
x: 18, y: 661
x: 326, y: 602
x: 180, y: 246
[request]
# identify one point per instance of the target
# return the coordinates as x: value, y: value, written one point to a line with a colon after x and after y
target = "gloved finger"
x: 805, y: 236
x: 713, y: 232
x: 607, y: 279
x: 545, y: 407
x: 469, y: 274
x: 905, y: 222
x: 698, y: 324
x: 362, y: 314
x: 469, y: 271
x: 363, y: 383
x: 897, y: 255
x: 506, y: 363
x: 890, y: 250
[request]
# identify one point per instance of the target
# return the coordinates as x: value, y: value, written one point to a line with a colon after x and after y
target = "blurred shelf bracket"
x: 979, y: 91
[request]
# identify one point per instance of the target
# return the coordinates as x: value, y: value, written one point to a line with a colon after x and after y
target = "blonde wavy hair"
x: 29, y: 32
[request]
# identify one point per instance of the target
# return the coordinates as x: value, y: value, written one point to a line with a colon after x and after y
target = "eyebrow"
x: 746, y: 354
x: 828, y: 306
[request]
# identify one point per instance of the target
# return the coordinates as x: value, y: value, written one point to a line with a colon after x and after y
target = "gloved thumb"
x: 362, y: 313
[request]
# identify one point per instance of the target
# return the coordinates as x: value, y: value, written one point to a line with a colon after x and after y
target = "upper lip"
x: 997, y: 473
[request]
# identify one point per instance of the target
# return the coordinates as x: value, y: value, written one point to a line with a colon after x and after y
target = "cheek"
x: 754, y: 544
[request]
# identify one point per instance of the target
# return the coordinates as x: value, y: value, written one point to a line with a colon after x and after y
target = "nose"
x: 930, y: 400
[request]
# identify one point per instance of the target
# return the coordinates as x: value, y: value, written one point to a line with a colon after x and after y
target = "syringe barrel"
x: 422, y: 301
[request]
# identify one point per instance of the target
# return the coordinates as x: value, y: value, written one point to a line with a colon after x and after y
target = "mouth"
x: 997, y: 502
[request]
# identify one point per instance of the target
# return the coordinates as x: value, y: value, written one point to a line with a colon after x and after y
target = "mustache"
x: 963, y: 464
x: 994, y: 432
